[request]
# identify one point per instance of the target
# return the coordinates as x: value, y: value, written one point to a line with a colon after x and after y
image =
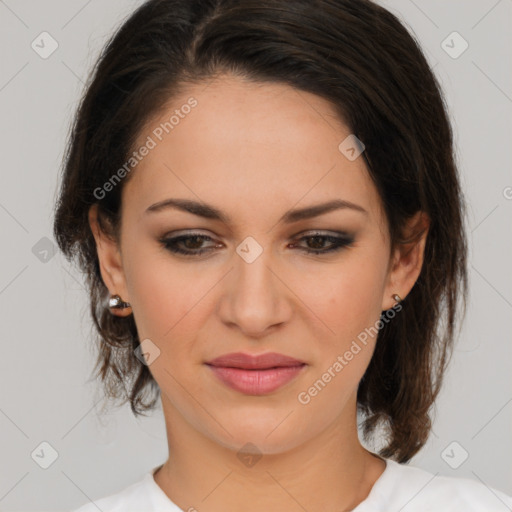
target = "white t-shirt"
x: 400, y: 487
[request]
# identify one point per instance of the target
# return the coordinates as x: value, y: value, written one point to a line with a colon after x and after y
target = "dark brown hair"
x: 359, y: 57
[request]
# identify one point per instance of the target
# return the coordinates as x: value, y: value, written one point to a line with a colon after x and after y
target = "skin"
x: 255, y: 151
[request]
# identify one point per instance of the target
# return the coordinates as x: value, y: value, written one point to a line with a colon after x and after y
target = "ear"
x: 407, y: 260
x: 109, y: 257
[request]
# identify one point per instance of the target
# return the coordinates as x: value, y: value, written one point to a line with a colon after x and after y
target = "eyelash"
x: 339, y: 242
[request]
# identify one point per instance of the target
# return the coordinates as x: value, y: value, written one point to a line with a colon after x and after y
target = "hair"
x: 364, y: 62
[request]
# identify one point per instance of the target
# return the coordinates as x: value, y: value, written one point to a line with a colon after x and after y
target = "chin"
x: 259, y: 436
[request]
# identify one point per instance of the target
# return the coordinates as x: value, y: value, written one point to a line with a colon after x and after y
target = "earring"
x: 117, y: 305
x: 397, y: 298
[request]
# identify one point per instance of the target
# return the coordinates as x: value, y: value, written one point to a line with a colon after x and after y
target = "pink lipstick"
x: 255, y: 375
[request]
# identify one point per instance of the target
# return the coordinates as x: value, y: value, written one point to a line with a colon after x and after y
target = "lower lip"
x: 256, y: 382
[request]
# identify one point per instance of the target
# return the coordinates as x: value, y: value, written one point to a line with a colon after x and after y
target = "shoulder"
x: 414, y: 489
x: 133, y: 497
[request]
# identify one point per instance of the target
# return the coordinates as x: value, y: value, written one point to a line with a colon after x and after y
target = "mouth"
x: 255, y: 362
x: 255, y: 375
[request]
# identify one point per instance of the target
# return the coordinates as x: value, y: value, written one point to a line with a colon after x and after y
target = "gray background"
x: 46, y: 348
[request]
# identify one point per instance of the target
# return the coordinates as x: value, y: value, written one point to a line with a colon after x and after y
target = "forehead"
x: 257, y: 146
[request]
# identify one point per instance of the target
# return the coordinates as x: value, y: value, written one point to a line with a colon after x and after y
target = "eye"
x: 319, y: 239
x: 189, y: 245
x: 192, y: 244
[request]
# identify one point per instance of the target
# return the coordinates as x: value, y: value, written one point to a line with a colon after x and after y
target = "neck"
x: 329, y: 473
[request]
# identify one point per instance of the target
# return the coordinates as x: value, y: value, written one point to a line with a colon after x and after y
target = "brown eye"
x: 189, y: 245
x: 315, y: 243
x: 193, y: 242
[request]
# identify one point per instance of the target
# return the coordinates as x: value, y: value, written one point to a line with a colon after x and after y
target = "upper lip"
x: 254, y: 362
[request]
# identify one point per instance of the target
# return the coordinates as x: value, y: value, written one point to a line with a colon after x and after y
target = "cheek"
x: 350, y: 306
x: 347, y: 297
x: 162, y: 294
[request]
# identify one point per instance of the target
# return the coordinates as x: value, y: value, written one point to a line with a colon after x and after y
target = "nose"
x: 255, y: 299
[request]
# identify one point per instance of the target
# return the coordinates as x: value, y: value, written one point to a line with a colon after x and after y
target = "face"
x: 259, y: 271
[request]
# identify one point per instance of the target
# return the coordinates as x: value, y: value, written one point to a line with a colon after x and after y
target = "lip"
x: 254, y: 362
x: 258, y: 374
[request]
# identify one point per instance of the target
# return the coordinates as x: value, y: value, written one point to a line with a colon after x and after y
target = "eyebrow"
x: 210, y: 212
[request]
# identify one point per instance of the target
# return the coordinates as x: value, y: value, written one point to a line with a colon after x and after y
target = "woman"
x: 271, y: 244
